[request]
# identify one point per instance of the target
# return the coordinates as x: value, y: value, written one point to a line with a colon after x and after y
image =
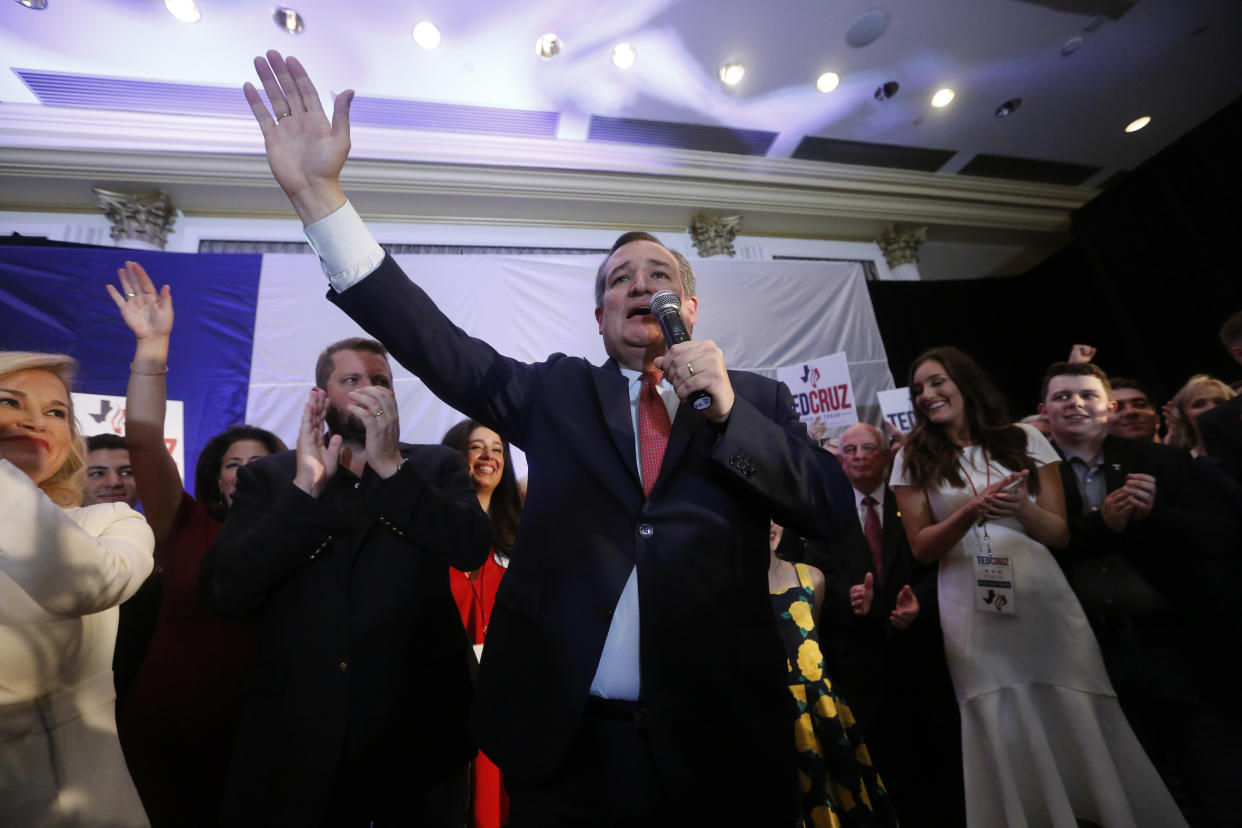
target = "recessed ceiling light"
x: 34, y: 4
x: 731, y: 73
x: 289, y: 20
x: 1008, y: 107
x: 1070, y: 46
x: 548, y: 46
x: 426, y: 35
x: 623, y: 56
x: 943, y: 97
x: 183, y: 10
x: 888, y: 90
x: 1138, y: 123
x: 827, y: 81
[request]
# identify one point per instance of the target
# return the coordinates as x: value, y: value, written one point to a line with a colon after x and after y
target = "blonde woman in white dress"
x: 64, y: 569
x: 1044, y: 741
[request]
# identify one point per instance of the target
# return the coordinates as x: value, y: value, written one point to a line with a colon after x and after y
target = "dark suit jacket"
x: 712, y: 664
x: 865, y: 654
x: 1176, y: 548
x: 362, y: 658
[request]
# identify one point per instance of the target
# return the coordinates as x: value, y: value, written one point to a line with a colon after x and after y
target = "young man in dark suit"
x: 357, y: 704
x: 1144, y: 533
x: 634, y: 675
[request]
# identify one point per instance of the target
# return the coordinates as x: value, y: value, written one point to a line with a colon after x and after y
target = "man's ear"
x: 690, y: 311
x: 1040, y: 409
x: 599, y: 319
x: 1236, y: 352
x: 1112, y: 406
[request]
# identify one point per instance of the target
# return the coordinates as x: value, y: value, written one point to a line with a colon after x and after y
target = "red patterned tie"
x: 875, y: 537
x: 653, y: 428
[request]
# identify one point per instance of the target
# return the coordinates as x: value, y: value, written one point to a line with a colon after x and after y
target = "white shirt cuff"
x: 346, y: 249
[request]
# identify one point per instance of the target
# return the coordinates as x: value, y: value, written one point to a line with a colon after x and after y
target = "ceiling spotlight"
x: 731, y: 73
x: 1008, y: 107
x: 1070, y: 46
x: 548, y: 46
x: 1138, y: 123
x: 623, y: 56
x: 183, y: 10
x: 289, y: 20
x: 888, y: 90
x: 827, y: 81
x: 943, y: 97
x: 426, y: 35
x: 34, y: 4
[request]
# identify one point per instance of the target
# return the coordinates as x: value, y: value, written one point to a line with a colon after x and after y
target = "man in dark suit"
x: 1144, y: 533
x: 356, y: 710
x: 633, y: 675
x: 880, y: 629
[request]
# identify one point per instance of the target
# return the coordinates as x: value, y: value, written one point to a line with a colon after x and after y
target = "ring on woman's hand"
x: 690, y: 368
x: 280, y: 118
x: 379, y: 413
x: 131, y: 295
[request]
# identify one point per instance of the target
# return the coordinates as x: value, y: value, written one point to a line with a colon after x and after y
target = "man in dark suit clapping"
x: 881, y: 633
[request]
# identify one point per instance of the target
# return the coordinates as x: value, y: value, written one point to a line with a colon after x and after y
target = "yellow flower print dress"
x: 838, y: 783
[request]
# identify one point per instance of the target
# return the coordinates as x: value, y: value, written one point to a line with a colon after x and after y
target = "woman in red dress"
x: 491, y: 470
x: 178, y: 718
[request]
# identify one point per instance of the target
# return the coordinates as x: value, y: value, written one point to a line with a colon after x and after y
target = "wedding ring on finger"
x: 379, y: 413
x: 131, y: 295
x: 690, y: 368
x: 280, y: 118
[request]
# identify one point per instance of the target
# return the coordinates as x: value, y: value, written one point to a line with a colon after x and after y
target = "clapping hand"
x: 376, y: 407
x: 317, y: 461
x: 862, y: 594
x: 907, y: 609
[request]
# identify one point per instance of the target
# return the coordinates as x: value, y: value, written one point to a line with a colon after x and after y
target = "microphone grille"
x: 665, y: 300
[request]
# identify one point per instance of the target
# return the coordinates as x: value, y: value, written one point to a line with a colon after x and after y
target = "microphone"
x: 666, y: 308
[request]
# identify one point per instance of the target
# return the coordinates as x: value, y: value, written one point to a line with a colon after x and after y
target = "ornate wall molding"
x: 137, y: 217
x: 714, y: 235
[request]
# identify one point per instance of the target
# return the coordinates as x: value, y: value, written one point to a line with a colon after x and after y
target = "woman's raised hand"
x: 147, y: 312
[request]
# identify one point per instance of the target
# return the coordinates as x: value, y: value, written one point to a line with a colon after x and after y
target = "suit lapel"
x: 613, y: 392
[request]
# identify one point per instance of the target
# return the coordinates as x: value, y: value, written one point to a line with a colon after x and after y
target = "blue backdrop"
x: 53, y: 299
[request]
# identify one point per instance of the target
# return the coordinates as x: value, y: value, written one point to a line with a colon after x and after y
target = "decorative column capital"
x: 714, y: 235
x: 900, y: 245
x: 142, y: 218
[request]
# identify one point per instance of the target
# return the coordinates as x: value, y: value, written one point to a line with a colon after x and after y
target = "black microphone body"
x: 666, y: 308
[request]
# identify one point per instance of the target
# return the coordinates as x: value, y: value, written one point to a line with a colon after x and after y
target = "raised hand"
x: 305, y: 152
x: 862, y: 594
x: 376, y: 407
x: 317, y: 462
x: 148, y: 313
x: 1081, y: 353
x: 699, y: 366
x: 907, y: 609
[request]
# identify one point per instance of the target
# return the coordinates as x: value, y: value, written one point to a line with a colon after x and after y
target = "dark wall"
x: 1154, y: 269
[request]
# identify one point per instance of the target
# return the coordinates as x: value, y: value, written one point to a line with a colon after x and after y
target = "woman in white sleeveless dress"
x: 1044, y: 741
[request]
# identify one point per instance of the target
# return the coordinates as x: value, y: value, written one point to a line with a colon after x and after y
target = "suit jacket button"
x: 646, y: 530
x: 605, y: 614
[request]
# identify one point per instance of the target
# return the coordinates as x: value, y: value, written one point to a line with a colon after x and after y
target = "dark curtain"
x: 1154, y: 269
